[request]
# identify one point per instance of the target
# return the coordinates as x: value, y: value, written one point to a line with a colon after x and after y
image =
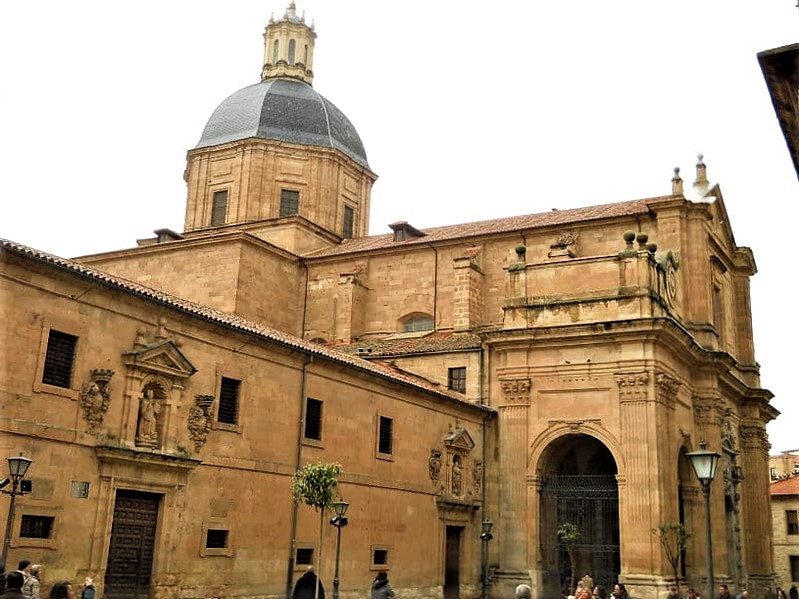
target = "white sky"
x: 468, y: 111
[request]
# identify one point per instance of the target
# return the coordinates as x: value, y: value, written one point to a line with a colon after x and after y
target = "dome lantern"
x: 288, y: 47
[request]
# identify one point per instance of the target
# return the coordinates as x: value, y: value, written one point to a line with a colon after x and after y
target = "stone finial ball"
x: 642, y: 238
x: 652, y: 248
x: 521, y: 250
x: 629, y: 236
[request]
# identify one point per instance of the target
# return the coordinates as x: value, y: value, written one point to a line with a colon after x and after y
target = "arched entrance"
x: 578, y: 486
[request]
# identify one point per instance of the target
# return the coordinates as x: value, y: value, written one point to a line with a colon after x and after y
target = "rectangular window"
x: 216, y: 538
x: 456, y: 379
x: 219, y: 210
x: 36, y: 527
x: 773, y: 472
x: 313, y: 419
x: 304, y: 556
x: 349, y: 222
x: 385, y: 435
x: 794, y: 561
x: 289, y: 202
x: 792, y: 518
x: 59, y: 359
x: 379, y: 557
x: 228, y: 412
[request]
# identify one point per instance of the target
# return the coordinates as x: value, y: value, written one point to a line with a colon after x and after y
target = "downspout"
x: 295, y: 506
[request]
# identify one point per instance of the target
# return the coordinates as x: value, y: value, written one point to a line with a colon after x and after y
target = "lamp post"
x: 704, y: 463
x: 339, y: 521
x: 485, y: 537
x: 17, y: 467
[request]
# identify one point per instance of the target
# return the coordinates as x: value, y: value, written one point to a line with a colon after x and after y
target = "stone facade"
x: 535, y: 371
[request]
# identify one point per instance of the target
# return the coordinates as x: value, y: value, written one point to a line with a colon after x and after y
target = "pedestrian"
x: 582, y: 593
x: 673, y: 593
x: 781, y: 594
x: 588, y: 581
x: 691, y: 594
x: 381, y: 589
x: 24, y: 568
x: 305, y: 588
x: 62, y: 590
x: 87, y: 590
x: 793, y: 593
x: 600, y: 592
x: 14, y: 582
x: 743, y: 595
x: 523, y: 591
x: 31, y: 586
x: 619, y: 591
x: 724, y: 592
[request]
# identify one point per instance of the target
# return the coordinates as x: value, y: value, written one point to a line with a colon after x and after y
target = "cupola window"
x: 349, y: 222
x: 292, y: 50
x: 289, y: 202
x: 276, y: 51
x: 219, y: 208
x: 305, y: 56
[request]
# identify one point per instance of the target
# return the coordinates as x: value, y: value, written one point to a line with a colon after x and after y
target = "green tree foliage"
x: 674, y: 539
x: 568, y: 535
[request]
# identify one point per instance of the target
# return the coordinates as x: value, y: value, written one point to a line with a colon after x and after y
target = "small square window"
x: 385, y: 435
x: 219, y: 209
x: 313, y: 419
x: 792, y: 519
x: 304, y: 556
x: 379, y: 557
x: 349, y: 222
x: 36, y: 527
x: 456, y: 379
x: 59, y: 359
x: 216, y: 538
x: 289, y: 202
x: 228, y: 412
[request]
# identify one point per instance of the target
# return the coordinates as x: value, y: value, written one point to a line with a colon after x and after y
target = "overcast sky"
x: 468, y: 111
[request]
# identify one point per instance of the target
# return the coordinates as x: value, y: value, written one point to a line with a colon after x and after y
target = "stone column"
x: 755, y: 501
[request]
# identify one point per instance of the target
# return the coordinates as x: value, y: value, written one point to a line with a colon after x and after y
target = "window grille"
x: 385, y: 435
x: 313, y: 419
x: 216, y: 538
x: 59, y: 359
x: 289, y: 202
x: 36, y: 527
x: 456, y: 379
x: 228, y: 401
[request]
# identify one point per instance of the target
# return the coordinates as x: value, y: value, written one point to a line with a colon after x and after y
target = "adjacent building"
x: 530, y: 371
x: 785, y: 512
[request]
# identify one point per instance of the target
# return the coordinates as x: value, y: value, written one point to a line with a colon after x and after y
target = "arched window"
x: 417, y: 322
x: 305, y: 57
x: 292, y: 50
x: 276, y: 51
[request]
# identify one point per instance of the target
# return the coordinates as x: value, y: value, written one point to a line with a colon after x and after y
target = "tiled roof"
x: 229, y: 320
x: 445, y: 341
x: 493, y: 227
x: 785, y: 486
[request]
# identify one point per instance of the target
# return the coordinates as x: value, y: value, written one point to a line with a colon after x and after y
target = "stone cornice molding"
x: 633, y: 386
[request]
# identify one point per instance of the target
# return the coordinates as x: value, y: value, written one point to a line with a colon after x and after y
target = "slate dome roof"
x: 283, y: 110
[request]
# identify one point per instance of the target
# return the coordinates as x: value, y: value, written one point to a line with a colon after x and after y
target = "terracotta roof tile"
x: 785, y: 486
x: 443, y: 341
x: 230, y: 320
x: 492, y: 227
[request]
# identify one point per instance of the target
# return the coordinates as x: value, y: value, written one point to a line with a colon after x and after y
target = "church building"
x: 526, y: 372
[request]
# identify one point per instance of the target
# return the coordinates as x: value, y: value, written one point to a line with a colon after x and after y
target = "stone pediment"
x: 162, y: 357
x: 459, y: 439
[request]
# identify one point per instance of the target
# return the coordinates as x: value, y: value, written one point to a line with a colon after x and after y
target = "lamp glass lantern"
x: 704, y: 463
x: 340, y: 507
x: 488, y: 525
x: 18, y: 466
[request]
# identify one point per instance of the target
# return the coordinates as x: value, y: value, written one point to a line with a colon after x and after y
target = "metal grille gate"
x: 592, y: 503
x: 130, y: 555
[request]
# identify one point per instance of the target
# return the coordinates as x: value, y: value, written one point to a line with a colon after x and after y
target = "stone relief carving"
x: 434, y: 464
x: 95, y: 397
x: 199, y: 422
x: 754, y: 436
x: 147, y: 430
x: 667, y: 387
x: 633, y: 386
x: 516, y: 389
x: 708, y: 409
x: 477, y: 476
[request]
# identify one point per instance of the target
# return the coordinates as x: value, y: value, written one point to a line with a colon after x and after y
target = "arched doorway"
x: 579, y: 486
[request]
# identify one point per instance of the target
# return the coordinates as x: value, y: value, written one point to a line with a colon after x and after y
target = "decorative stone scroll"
x: 95, y: 397
x: 199, y: 422
x: 634, y: 386
x: 666, y: 387
x: 516, y: 390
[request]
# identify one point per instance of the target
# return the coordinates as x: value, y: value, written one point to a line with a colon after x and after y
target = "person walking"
x: 619, y: 591
x: 381, y: 589
x: 793, y: 593
x: 30, y: 587
x: 14, y: 582
x: 305, y: 588
x: 62, y: 590
x: 87, y: 590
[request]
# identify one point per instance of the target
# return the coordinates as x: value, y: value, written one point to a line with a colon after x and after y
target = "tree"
x: 315, y: 486
x: 569, y: 534
x: 674, y: 539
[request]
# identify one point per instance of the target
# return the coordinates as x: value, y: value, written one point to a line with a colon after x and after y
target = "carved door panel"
x: 452, y: 562
x: 130, y: 554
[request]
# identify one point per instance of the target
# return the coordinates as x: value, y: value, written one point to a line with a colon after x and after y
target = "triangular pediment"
x: 162, y: 357
x: 459, y: 439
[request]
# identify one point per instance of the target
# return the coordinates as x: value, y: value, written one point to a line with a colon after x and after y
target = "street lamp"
x: 339, y: 521
x: 486, y: 536
x: 704, y: 463
x: 17, y: 467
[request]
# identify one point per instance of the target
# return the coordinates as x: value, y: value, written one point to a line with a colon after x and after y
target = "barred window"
x: 216, y: 538
x: 313, y: 419
x: 289, y: 202
x: 349, y: 222
x: 304, y: 556
x: 379, y: 556
x: 228, y: 401
x: 219, y: 210
x: 456, y: 379
x: 59, y: 359
x: 385, y: 435
x: 792, y: 518
x: 36, y: 527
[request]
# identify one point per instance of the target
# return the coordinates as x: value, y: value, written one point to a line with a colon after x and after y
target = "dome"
x: 283, y: 110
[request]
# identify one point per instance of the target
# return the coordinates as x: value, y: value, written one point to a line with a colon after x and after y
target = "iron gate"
x: 591, y: 502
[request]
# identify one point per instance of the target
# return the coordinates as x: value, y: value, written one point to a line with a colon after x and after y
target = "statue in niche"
x: 149, y: 408
x: 457, y: 476
x: 434, y: 464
